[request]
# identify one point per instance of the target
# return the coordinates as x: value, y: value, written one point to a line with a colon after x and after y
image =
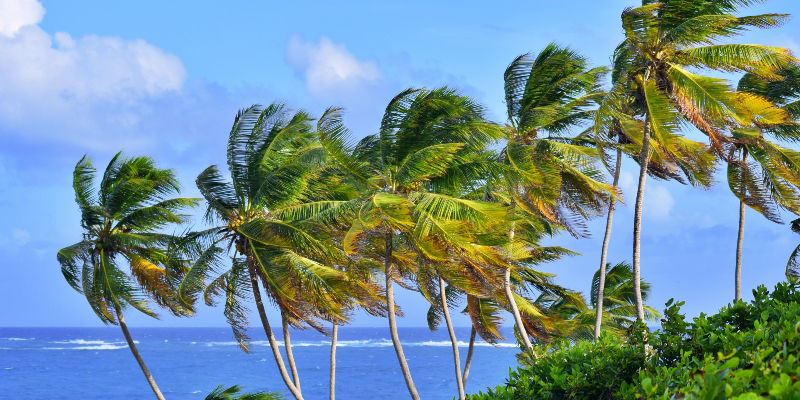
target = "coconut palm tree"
x: 617, y: 129
x: 399, y: 223
x: 485, y: 311
x: 122, y: 220
x: 770, y: 180
x: 664, y: 41
x: 264, y: 215
x: 233, y: 393
x: 618, y: 300
x: 550, y: 180
x: 619, y: 308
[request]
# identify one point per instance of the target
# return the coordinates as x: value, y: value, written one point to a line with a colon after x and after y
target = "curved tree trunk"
x: 598, y: 315
x: 453, y: 340
x: 468, y: 362
x: 514, y: 310
x: 132, y: 346
x: 398, y: 348
x: 287, y: 346
x: 740, y: 238
x: 637, y: 220
x: 334, y: 333
x: 273, y: 344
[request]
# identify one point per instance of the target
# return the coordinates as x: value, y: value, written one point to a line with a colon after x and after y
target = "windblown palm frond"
x: 123, y: 220
x: 619, y: 308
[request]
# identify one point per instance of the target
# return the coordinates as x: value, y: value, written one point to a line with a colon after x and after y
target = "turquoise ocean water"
x: 187, y: 363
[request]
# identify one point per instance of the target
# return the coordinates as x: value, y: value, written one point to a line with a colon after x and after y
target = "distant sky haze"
x: 165, y: 79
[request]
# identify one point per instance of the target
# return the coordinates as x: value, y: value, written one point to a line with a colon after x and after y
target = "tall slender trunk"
x: 398, y: 348
x: 740, y: 238
x: 453, y: 340
x: 273, y: 344
x: 132, y: 346
x: 468, y: 362
x: 514, y: 310
x: 637, y: 220
x: 598, y: 314
x: 287, y: 346
x: 334, y: 333
x: 510, y: 295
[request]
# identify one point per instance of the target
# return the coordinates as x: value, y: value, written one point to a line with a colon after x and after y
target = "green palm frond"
x: 124, y: 222
x: 755, y: 59
x: 426, y: 163
x: 233, y: 393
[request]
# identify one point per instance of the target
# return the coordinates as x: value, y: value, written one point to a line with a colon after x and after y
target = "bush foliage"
x: 746, y: 351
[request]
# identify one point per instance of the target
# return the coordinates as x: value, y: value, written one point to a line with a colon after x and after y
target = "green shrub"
x: 746, y: 351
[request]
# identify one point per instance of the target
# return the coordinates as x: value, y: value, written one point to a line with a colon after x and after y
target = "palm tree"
x: 663, y: 41
x: 398, y: 223
x: 680, y: 159
x: 771, y: 181
x: 121, y: 223
x: 233, y: 393
x: 264, y: 215
x: 551, y: 180
x: 619, y: 306
x: 485, y: 310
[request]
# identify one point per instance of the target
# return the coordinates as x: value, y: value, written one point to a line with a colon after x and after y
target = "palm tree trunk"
x: 598, y: 315
x: 132, y: 346
x: 637, y: 220
x: 287, y: 345
x: 271, y: 337
x: 740, y: 238
x: 514, y: 310
x: 468, y: 362
x: 739, y: 242
x: 453, y: 340
x: 510, y: 295
x: 334, y: 333
x: 398, y: 348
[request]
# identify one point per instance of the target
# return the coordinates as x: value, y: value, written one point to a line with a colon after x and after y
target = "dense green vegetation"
x: 745, y: 351
x: 318, y: 222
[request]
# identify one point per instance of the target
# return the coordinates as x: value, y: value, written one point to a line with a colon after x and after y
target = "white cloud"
x: 15, y: 14
x: 95, y: 85
x: 328, y: 67
x: 658, y: 201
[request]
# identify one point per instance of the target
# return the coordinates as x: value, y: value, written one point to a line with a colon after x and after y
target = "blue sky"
x: 166, y: 79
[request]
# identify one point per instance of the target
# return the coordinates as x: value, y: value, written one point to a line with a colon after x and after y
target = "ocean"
x: 187, y: 363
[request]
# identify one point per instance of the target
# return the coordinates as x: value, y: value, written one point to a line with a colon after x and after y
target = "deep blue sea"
x: 187, y: 363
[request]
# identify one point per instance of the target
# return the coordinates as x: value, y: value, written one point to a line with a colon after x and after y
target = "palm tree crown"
x: 122, y: 220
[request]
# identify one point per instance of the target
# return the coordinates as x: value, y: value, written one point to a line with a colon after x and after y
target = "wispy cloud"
x: 330, y: 68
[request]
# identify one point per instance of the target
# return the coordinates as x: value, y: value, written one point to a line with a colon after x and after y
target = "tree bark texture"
x: 287, y: 345
x: 273, y: 344
x: 453, y: 340
x: 598, y: 316
x: 514, y: 310
x: 468, y: 361
x: 398, y: 348
x: 136, y: 355
x: 334, y: 334
x: 740, y: 238
x: 637, y: 220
